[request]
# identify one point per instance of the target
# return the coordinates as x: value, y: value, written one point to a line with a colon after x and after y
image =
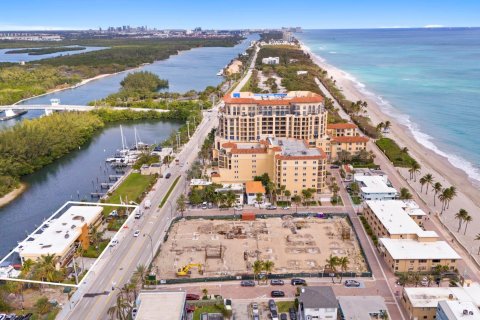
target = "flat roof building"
x: 362, y: 307
x: 61, y: 234
x: 422, y: 302
x: 161, y: 306
x: 375, y: 187
x: 457, y: 310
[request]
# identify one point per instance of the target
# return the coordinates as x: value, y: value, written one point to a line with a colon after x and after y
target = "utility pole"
x: 188, y: 129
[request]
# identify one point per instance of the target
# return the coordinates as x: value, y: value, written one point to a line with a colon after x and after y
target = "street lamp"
x: 188, y: 129
x: 151, y: 242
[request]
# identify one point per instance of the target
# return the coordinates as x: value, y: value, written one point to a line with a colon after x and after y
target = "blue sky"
x: 319, y: 14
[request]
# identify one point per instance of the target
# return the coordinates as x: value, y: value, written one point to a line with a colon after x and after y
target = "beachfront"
x: 468, y: 196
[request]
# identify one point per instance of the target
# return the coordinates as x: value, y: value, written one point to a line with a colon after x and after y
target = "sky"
x: 227, y: 14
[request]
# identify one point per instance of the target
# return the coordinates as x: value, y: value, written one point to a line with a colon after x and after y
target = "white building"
x: 317, y: 302
x: 252, y: 188
x: 457, y: 310
x: 375, y: 187
x: 161, y: 306
x: 362, y: 307
x: 199, y: 183
x: 236, y: 188
x: 271, y: 60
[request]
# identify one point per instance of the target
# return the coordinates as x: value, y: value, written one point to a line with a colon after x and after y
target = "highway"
x: 120, y: 263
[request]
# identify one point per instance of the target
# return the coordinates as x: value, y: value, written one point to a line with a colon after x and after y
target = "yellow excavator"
x: 185, y: 271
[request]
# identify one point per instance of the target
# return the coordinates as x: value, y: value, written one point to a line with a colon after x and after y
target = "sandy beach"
x: 468, y: 195
x: 9, y: 197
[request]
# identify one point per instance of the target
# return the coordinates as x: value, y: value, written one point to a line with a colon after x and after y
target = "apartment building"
x: 347, y: 129
x: 249, y: 117
x: 404, y: 245
x: 350, y: 145
x: 289, y: 162
x: 423, y: 302
x: 374, y: 187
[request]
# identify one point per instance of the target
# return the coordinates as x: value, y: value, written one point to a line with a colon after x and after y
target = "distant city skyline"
x: 216, y: 14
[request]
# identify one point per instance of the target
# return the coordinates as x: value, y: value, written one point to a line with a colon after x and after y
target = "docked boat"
x: 220, y: 73
x: 10, y: 114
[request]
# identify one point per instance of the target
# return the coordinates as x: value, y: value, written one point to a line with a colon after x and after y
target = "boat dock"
x: 114, y: 177
x: 106, y: 185
x: 97, y: 194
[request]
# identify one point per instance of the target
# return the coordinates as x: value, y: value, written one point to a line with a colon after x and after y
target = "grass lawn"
x: 168, y: 193
x: 283, y: 306
x: 205, y: 309
x: 132, y: 188
x: 394, y: 153
x: 92, y: 253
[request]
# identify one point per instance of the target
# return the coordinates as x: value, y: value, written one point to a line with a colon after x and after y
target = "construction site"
x: 211, y: 248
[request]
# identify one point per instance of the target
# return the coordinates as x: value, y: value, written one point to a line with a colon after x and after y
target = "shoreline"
x: 468, y: 194
x: 12, y: 195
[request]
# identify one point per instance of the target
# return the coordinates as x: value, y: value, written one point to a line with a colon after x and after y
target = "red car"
x: 191, y: 296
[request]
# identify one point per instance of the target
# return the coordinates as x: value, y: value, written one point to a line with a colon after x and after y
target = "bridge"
x: 50, y: 108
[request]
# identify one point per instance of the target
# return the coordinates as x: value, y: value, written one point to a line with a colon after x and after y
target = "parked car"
x: 168, y: 175
x: 272, y: 306
x: 136, y: 233
x: 204, y: 206
x: 247, y: 283
x: 298, y: 282
x: 277, y: 294
x: 424, y: 282
x: 134, y: 313
x: 274, y: 315
x: 293, y: 314
x: 286, y: 208
x: 192, y: 296
x: 283, y: 316
x: 334, y: 166
x: 271, y: 207
x: 352, y: 283
x: 276, y: 282
x: 255, y: 308
x: 228, y: 304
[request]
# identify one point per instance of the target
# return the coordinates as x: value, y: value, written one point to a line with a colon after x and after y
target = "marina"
x: 10, y: 114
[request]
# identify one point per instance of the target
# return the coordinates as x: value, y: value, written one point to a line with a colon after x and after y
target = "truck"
x: 147, y: 204
x: 139, y: 214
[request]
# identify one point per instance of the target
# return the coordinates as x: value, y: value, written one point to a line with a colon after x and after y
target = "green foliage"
x: 398, y: 156
x: 7, y: 184
x: 147, y: 159
x: 206, y: 194
x: 139, y: 85
x: 33, y: 144
x: 164, y: 200
x: 132, y: 188
x: 42, y: 305
x: 42, y: 51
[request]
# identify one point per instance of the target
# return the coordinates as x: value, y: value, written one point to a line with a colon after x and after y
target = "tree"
x: 422, y: 182
x: 437, y: 187
x: 297, y: 200
x: 477, y: 238
x: 257, y: 268
x: 443, y: 197
x: 205, y: 293
x: 181, y: 204
x: 95, y: 237
x: 288, y: 195
x: 380, y: 127
x: 451, y: 193
x: 343, y: 263
x: 42, y: 305
x: 195, y: 197
x: 120, y: 309
x: 335, y: 189
x: 414, y: 169
x: 403, y: 279
x: 468, y: 218
x: 307, y: 196
x: 141, y: 273
x: 259, y: 198
x: 460, y: 216
x: 428, y: 180
x: 387, y: 126
x: 230, y: 199
x: 46, y: 268
x: 405, y: 194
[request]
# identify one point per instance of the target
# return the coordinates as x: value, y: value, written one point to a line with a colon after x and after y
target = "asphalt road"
x: 121, y: 261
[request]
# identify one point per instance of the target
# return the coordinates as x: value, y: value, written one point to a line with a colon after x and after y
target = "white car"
x: 136, y: 233
x: 286, y: 208
x: 113, y: 243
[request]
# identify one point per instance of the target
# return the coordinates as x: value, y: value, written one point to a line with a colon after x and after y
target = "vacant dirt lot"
x: 225, y: 247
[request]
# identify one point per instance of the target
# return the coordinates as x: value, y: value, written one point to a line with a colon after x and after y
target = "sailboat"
x: 10, y: 114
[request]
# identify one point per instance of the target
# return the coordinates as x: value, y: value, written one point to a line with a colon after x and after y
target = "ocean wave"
x: 332, y: 52
x: 421, y: 137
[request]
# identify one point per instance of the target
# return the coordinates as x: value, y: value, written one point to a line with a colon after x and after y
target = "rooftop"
x: 62, y: 232
x: 160, y: 305
x: 361, y: 307
x: 254, y: 187
x: 200, y: 182
x: 294, y: 148
x: 318, y: 297
x: 396, y: 219
x: 465, y: 310
x: 401, y: 249
x: 230, y: 187
x: 273, y: 98
x: 374, y: 184
x: 428, y: 297
x: 349, y: 139
x: 346, y: 125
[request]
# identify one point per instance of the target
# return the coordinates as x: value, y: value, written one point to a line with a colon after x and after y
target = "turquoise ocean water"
x: 428, y: 79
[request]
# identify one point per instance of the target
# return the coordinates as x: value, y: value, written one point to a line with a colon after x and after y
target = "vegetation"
x: 284, y: 306
x: 33, y: 144
x: 38, y: 77
x: 260, y: 266
x: 369, y: 230
x: 206, y: 194
x: 132, y: 188
x: 42, y: 51
x: 164, y: 200
x: 146, y: 159
x: 399, y: 157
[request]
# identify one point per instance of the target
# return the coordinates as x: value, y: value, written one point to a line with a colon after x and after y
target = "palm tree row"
x: 333, y: 262
x: 384, y: 126
x: 463, y: 216
x: 447, y: 195
x: 260, y: 266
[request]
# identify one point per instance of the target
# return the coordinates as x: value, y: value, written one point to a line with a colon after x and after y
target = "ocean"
x: 427, y: 79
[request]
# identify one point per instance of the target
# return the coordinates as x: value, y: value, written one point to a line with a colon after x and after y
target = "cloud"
x: 14, y: 27
x: 434, y: 26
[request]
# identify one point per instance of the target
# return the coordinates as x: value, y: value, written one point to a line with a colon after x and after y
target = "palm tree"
x: 297, y: 200
x: 288, y: 195
x: 343, y: 262
x: 307, y: 195
x: 259, y: 198
x: 271, y: 191
x: 387, y: 125
x: 477, y: 238
x: 403, y: 278
x: 380, y: 127
x: 231, y: 198
x: 437, y: 187
x: 468, y: 218
x: 95, y: 237
x: 452, y: 193
x: 332, y: 263
x: 119, y: 310
x: 405, y: 150
x: 141, y: 273
x: 268, y: 267
x: 257, y: 268
x: 205, y: 292
x: 46, y: 268
x: 405, y: 194
x: 443, y: 197
x: 335, y: 189
x: 422, y: 182
x: 429, y: 180
x: 414, y: 169
x: 461, y: 215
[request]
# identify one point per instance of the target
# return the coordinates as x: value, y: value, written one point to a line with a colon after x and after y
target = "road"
x: 247, y: 76
x: 119, y: 265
